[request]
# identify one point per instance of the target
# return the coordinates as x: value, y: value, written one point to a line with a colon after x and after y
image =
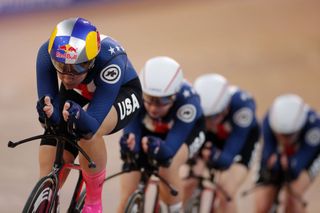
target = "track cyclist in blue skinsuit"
x: 232, y: 131
x: 290, y: 154
x: 87, y: 77
x: 171, y: 121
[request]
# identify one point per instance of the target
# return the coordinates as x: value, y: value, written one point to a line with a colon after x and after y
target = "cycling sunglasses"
x: 159, y: 101
x: 73, y: 69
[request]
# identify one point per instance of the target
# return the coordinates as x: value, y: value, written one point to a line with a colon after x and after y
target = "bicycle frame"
x: 55, y: 175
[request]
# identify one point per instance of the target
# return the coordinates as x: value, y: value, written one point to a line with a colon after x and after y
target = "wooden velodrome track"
x: 266, y: 47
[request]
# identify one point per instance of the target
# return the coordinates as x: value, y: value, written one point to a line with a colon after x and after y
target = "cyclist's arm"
x: 269, y: 145
x: 182, y: 127
x: 309, y: 148
x: 104, y: 95
x: 243, y: 120
x: 47, y: 80
x: 135, y: 127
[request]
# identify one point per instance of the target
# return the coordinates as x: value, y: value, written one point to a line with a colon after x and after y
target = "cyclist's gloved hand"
x: 125, y: 151
x: 73, y: 110
x: 82, y: 123
x: 158, y: 150
x: 291, y: 173
x: 128, y: 155
x: 220, y: 160
x: 46, y: 109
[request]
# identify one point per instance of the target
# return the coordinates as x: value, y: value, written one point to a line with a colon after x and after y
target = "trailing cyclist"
x: 96, y: 79
x: 169, y: 128
x: 290, y: 154
x: 232, y: 130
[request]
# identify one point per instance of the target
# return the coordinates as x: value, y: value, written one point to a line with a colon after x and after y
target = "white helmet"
x: 214, y: 93
x: 288, y: 114
x: 161, y: 76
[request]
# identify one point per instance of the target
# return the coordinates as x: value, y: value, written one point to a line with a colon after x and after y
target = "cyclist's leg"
x: 46, y: 159
x: 96, y: 148
x: 189, y: 185
x: 171, y: 174
x: 295, y: 192
x: 267, y: 190
x: 93, y: 177
x: 264, y: 198
x: 128, y: 182
x: 297, y: 188
x: 230, y: 181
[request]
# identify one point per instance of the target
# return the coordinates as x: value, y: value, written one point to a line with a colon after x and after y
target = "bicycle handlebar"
x: 57, y: 138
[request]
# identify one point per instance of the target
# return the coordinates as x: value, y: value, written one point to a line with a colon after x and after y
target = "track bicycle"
x: 203, y: 197
x: 44, y: 197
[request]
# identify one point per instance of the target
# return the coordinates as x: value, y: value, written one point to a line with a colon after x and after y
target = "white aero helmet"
x: 161, y: 76
x: 288, y: 114
x: 214, y: 93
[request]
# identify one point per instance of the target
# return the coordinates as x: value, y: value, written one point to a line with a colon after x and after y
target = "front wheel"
x: 135, y: 203
x: 42, y: 199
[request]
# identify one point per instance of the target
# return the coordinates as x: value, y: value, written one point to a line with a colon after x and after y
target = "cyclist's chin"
x: 155, y: 116
x: 70, y: 85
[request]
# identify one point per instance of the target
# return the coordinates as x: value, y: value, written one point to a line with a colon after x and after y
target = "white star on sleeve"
x: 111, y: 50
x: 118, y: 48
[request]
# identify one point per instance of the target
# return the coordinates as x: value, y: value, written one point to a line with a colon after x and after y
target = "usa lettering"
x: 128, y: 106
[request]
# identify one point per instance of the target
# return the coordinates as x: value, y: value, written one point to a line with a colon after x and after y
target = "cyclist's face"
x: 71, y: 81
x: 286, y: 139
x: 213, y: 121
x: 157, y: 107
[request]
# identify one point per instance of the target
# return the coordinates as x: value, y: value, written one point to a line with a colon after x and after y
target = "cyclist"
x: 87, y: 77
x: 169, y: 128
x: 290, y: 154
x: 232, y: 130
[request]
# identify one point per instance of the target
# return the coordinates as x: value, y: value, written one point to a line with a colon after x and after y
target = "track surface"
x: 265, y: 47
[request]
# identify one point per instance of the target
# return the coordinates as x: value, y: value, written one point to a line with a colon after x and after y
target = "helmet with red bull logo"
x: 73, y: 46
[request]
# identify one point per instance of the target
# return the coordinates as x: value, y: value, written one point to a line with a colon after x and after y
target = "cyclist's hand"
x: 284, y: 162
x: 127, y: 143
x: 205, y: 151
x: 272, y: 161
x: 46, y: 110
x: 71, y: 110
x: 127, y: 153
x: 157, y: 150
x: 214, y: 157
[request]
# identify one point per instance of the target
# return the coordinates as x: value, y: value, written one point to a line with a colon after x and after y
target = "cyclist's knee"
x: 264, y: 198
x: 232, y: 179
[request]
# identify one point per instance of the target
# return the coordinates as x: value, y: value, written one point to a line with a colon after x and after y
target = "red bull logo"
x: 67, y: 51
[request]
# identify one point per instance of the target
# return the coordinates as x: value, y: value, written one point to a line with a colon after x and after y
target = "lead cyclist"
x: 87, y: 76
